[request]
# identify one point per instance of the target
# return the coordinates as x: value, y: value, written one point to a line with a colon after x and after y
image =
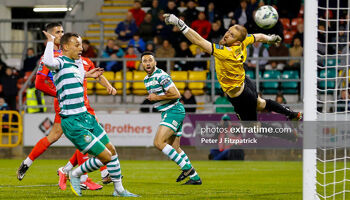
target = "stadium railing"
x: 258, y: 80
x: 11, y: 128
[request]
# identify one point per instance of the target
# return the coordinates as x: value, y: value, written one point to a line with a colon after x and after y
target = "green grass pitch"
x: 238, y: 180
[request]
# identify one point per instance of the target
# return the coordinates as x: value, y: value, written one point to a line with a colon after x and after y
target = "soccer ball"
x: 266, y: 17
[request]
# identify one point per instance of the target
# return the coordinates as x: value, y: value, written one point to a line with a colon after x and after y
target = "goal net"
x: 333, y: 106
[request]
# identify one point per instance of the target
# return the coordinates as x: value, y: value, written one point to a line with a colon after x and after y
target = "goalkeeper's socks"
x: 276, y: 107
x: 174, y: 156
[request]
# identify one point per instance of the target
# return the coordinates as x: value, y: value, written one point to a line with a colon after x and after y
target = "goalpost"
x: 326, y: 171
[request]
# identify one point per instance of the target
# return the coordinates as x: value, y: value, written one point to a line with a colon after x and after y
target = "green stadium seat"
x: 290, y: 87
x: 327, y: 84
x: 271, y: 87
x: 216, y: 85
x: 250, y: 74
x: 331, y: 62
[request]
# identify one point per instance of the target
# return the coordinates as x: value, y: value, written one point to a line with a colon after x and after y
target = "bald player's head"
x: 234, y: 36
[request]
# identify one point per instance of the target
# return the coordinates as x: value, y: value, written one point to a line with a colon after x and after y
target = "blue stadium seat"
x: 290, y: 87
x: 271, y: 87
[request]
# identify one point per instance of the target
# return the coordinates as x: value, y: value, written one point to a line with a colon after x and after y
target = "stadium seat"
x: 101, y: 90
x: 331, y: 62
x: 288, y: 36
x: 330, y: 83
x: 290, y: 87
x: 179, y: 77
x: 250, y: 74
x: 342, y: 77
x: 271, y: 87
x: 119, y: 85
x: 139, y: 87
x: 197, y: 87
x: 295, y: 21
x: 217, y: 85
x: 193, y: 48
x: 286, y: 23
x: 90, y: 85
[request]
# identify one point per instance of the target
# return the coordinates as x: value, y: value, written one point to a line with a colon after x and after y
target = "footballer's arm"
x: 195, y: 38
x: 170, y: 94
x: 189, y: 33
x: 105, y: 83
x: 270, y: 39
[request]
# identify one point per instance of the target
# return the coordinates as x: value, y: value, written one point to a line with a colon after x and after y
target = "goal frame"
x: 310, y: 97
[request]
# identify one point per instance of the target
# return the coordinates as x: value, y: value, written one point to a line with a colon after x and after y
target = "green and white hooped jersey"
x: 69, y: 79
x: 159, y: 82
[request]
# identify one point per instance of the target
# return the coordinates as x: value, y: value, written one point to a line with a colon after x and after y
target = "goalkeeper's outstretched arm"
x: 189, y: 33
x: 270, y: 39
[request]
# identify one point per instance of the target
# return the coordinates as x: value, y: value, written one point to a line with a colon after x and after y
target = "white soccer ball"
x: 266, y: 17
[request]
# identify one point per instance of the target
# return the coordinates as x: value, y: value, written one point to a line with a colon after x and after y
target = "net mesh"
x: 333, y: 50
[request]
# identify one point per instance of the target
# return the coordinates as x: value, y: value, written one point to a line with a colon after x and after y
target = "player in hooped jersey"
x: 165, y: 97
x: 45, y: 76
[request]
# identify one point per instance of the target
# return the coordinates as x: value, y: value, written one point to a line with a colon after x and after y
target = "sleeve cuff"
x: 212, y: 48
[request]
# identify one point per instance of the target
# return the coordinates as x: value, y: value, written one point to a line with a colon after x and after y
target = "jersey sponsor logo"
x: 239, y: 54
x: 165, y: 80
x: 174, y: 123
x: 217, y: 46
x: 87, y: 138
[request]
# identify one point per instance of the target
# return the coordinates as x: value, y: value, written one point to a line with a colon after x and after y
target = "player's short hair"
x: 86, y: 42
x: 243, y: 32
x: 66, y: 37
x: 52, y: 25
x: 147, y: 53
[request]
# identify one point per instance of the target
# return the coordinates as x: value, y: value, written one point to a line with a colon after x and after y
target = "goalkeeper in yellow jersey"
x: 230, y: 54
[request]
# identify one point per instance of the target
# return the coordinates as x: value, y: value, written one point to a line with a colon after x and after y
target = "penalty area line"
x: 25, y: 186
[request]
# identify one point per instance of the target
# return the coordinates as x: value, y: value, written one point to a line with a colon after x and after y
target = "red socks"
x: 39, y: 148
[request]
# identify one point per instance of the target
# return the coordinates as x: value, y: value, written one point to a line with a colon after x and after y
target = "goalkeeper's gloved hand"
x: 273, y: 39
x: 173, y: 20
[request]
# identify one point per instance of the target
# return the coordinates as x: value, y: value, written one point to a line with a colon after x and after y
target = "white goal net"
x: 333, y: 105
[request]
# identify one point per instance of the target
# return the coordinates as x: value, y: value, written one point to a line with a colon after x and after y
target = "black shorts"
x: 245, y: 104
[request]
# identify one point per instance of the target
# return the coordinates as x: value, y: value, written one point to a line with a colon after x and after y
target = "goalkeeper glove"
x: 273, y: 39
x: 173, y: 20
